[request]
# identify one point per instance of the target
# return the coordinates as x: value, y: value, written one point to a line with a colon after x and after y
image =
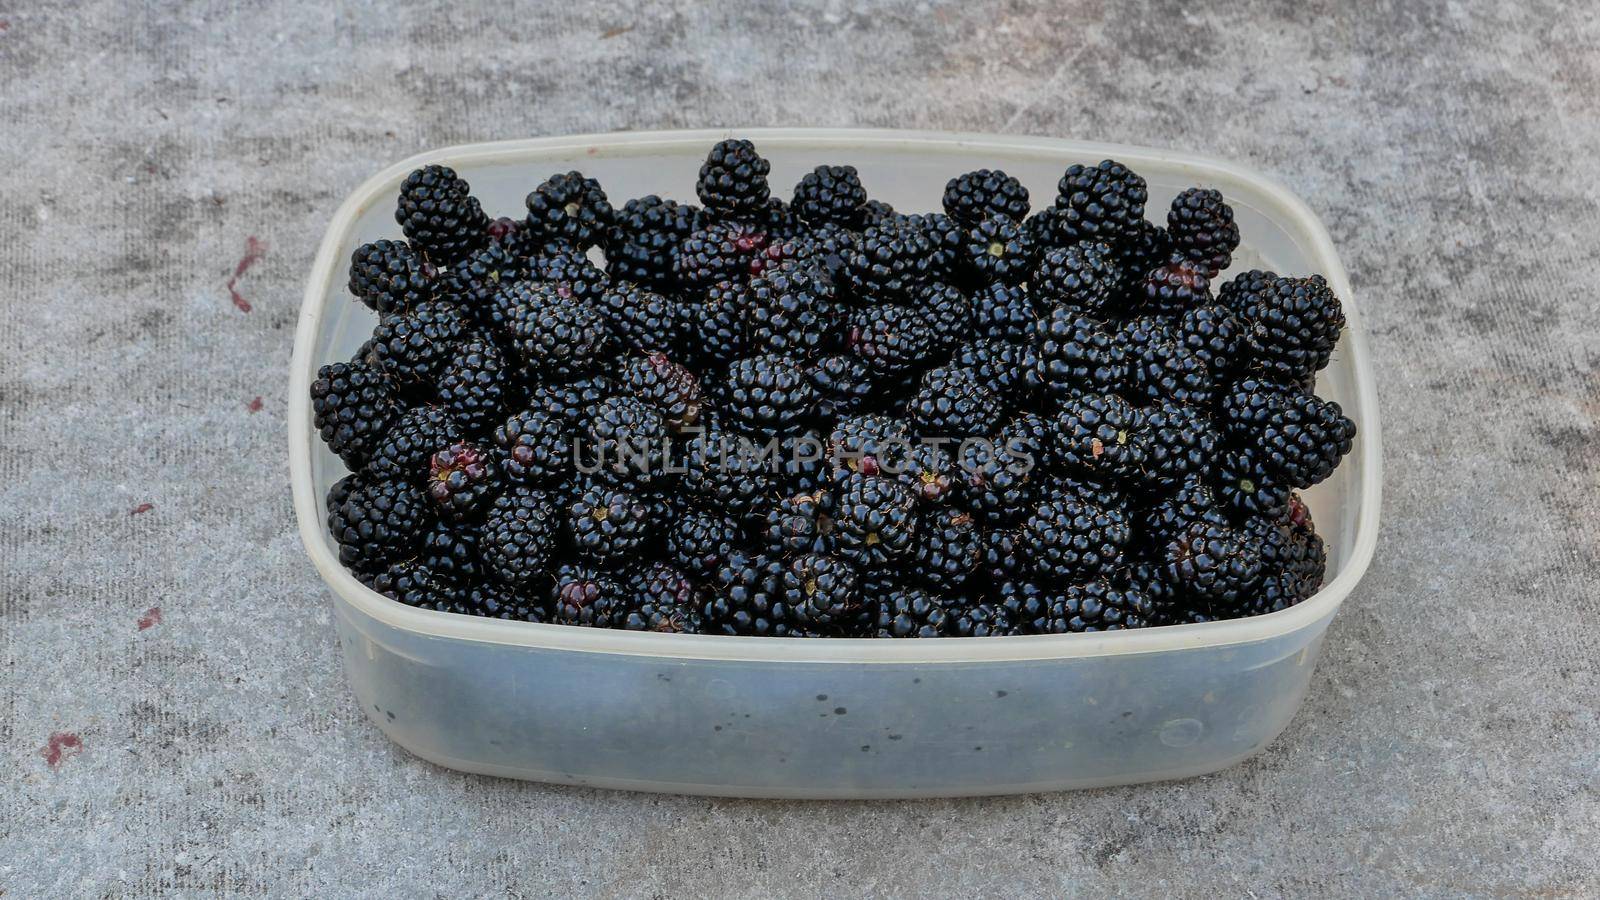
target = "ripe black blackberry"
x: 518, y: 535
x: 1202, y: 228
x: 1070, y: 539
x: 1084, y: 275
x: 1103, y: 202
x: 843, y: 384
x: 352, y: 406
x: 561, y: 339
x: 729, y: 473
x: 609, y: 526
x: 733, y: 179
x: 891, y: 260
x: 1010, y: 369
x: 892, y: 339
x: 451, y: 549
x: 1100, y: 434
x: 714, y: 326
x: 462, y: 479
x: 663, y: 599
x: 1002, y: 478
x: 1193, y: 502
x: 1213, y: 333
x: 498, y: 601
x: 982, y: 620
x: 572, y: 401
x: 1079, y: 353
x: 1291, y: 324
x: 720, y: 251
x: 802, y: 523
x: 1107, y: 494
x: 1148, y: 247
x: 413, y: 346
x: 570, y: 270
x: 747, y: 598
x: 627, y: 442
x: 975, y: 196
x: 1024, y: 602
x: 535, y: 446
x: 697, y: 541
x: 1175, y: 286
x: 1096, y: 605
x: 998, y: 249
x: 1293, y: 433
x: 930, y: 472
x: 1001, y: 555
x: 909, y: 612
x: 954, y: 402
x: 1004, y: 312
x: 475, y: 388
x: 802, y: 463
x: 1214, y: 562
x: 946, y: 237
x: 876, y: 212
x: 1162, y: 366
x: 768, y: 394
x: 643, y: 320
x: 379, y: 521
x: 1182, y: 441
x: 948, y: 313
x: 830, y: 194
x: 569, y: 208
x: 665, y: 386
x: 820, y: 590
x: 792, y: 310
x: 389, y: 276
x: 874, y: 523
x: 643, y: 242
x: 948, y: 548
x: 414, y: 584
x: 868, y: 444
x: 438, y: 214
x: 474, y: 284
x: 583, y: 595
x: 1245, y: 484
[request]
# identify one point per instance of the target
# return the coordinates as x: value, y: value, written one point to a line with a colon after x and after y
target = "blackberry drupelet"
x: 1070, y: 539
x: 1291, y: 324
x: 830, y: 194
x: 379, y: 521
x: 954, y: 402
x: 1202, y: 229
x: 998, y: 250
x: 874, y: 524
x: 975, y: 196
x: 609, y: 526
x: 1100, y: 434
x: 663, y: 599
x: 1214, y: 562
x: 571, y: 209
x: 627, y: 442
x: 389, y: 276
x: 948, y: 549
x: 1004, y: 312
x: 412, y: 347
x: 462, y: 479
x: 665, y: 386
x: 802, y: 523
x: 768, y: 394
x: 733, y: 179
x: 892, y: 339
x: 1096, y: 605
x: 583, y: 595
x: 643, y: 242
x: 1079, y: 353
x: 1084, y: 275
x: 1293, y: 433
x: 909, y: 612
x: 438, y: 214
x: 475, y: 388
x: 697, y: 541
x: 352, y: 406
x: 518, y: 535
x: 1103, y: 202
x: 820, y: 590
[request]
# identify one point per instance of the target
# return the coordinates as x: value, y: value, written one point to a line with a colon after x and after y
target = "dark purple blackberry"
x: 627, y: 441
x: 665, y: 386
x: 733, y: 179
x: 609, y: 526
x: 474, y: 388
x: 535, y: 447
x: 768, y: 394
x: 1175, y: 286
x: 698, y: 541
x: 1245, y: 484
x: 747, y: 598
x: 560, y: 338
x: 570, y: 270
x: 1214, y: 562
x: 1181, y: 442
x: 438, y: 213
x: 948, y: 313
x: 1084, y: 275
x: 413, y: 346
x: 1001, y: 555
x: 341, y: 490
x: 1293, y: 433
x: 802, y: 523
x: 1044, y: 227
x: 1002, y: 477
x: 1069, y: 539
x: 414, y: 584
x: 1079, y: 353
x: 506, y: 232
x: 1024, y: 602
x: 976, y: 196
x: 474, y: 284
x: 352, y: 406
x: 572, y: 401
x: 643, y: 242
x: 581, y: 595
x: 663, y: 599
x: 1100, y: 434
x: 462, y: 479
x: 1169, y: 605
x: 644, y: 320
x: 730, y: 474
x: 714, y: 325
x: 1291, y: 324
x: 569, y: 208
x: 820, y: 590
x: 983, y: 620
x: 948, y: 549
x: 1003, y: 312
x: 1011, y: 370
x: 874, y: 522
x: 498, y: 601
x: 892, y: 339
x: 792, y: 310
x: 389, y: 276
x: 451, y: 549
x: 720, y: 251
x: 954, y: 402
x: 830, y: 194
x: 998, y: 250
x: 891, y: 260
x: 1294, y: 560
x: 909, y: 612
x: 843, y: 384
x: 518, y: 535
x: 1096, y: 605
x: 1213, y: 333
x: 1104, y: 202
x: 379, y: 521
x: 1202, y: 228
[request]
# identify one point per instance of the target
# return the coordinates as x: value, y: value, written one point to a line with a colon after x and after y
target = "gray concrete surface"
x: 1449, y: 744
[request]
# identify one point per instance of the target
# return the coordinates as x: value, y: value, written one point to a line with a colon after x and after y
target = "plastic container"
x: 817, y: 718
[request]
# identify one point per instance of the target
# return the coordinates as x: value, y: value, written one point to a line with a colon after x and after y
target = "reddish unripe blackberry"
x: 462, y: 478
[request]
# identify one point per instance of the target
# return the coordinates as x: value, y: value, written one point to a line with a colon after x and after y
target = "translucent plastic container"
x: 818, y: 718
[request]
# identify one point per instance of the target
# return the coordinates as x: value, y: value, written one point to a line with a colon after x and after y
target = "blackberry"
x: 1024, y: 602
x: 341, y: 490
x: 569, y: 208
x: 643, y: 242
x: 535, y: 447
x: 947, y: 239
x: 1104, y: 202
x: 768, y: 394
x: 733, y: 179
x: 1084, y: 275
x: 560, y: 338
x: 792, y: 311
x: 976, y: 196
x: 662, y: 599
x: 474, y: 284
x: 644, y: 320
x: 570, y: 271
x: 1004, y: 312
x: 1010, y: 369
x: 874, y: 523
x: 1078, y: 353
x: 665, y: 386
x: 820, y: 590
x: 628, y: 441
x: 413, y: 346
x: 389, y: 276
x: 830, y: 194
x: 714, y: 325
x: 1294, y: 434
x: 379, y: 521
x: 352, y: 407
x: 609, y: 525
x: 698, y: 541
x: 451, y: 549
x: 572, y: 401
x: 1100, y: 434
x: 581, y: 595
x: 438, y: 213
x: 462, y: 479
x: 1214, y: 562
x: 802, y: 462
x: 414, y: 584
x: 498, y: 601
x: 1001, y: 556
x: 1192, y: 503
x: 892, y: 339
x: 1291, y: 324
x: 1246, y: 485
x: 802, y: 523
x: 1162, y: 366
x: 983, y: 620
x: 1000, y: 477
x: 1175, y: 286
x: 1146, y: 248
x: 1202, y: 228
x: 748, y: 596
x: 891, y: 260
x: 870, y: 444
x: 474, y: 388
x: 720, y: 251
x: 948, y: 548
x: 876, y: 212
x: 1070, y: 539
x: 843, y: 384
x: 729, y: 473
x: 948, y: 315
x: 910, y: 613
x: 930, y: 472
x: 1045, y: 228
x: 998, y: 249
x: 1096, y: 605
x: 954, y: 402
x: 506, y: 232
x: 518, y: 535
x: 1182, y: 442
x: 1088, y: 489
x: 1214, y: 334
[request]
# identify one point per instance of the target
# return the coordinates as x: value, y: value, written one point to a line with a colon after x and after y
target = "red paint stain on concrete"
x: 254, y: 249
x: 151, y: 618
x: 254, y: 405
x: 62, y: 746
x: 141, y: 509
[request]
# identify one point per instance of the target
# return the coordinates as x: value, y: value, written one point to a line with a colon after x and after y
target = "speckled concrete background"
x: 169, y: 172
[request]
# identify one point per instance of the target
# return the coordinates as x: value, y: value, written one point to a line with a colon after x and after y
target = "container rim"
x: 346, y: 589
